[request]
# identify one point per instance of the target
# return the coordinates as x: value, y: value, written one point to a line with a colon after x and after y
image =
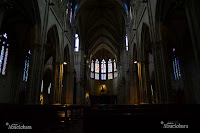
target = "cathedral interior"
x: 99, y: 66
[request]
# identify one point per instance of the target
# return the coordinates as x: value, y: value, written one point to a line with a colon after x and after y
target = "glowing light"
x: 70, y: 18
x: 126, y: 42
x: 103, y: 70
x: 126, y: 6
x: 87, y: 95
x: 131, y: 14
x: 49, y: 89
x: 65, y: 63
x: 110, y: 74
x: 76, y: 47
x: 41, y: 99
x: 26, y: 67
x: 24, y: 75
x: 92, y: 69
x: 176, y: 67
x: 92, y: 75
x: 135, y: 62
x: 4, y: 54
x: 1, y: 57
x: 5, y: 62
x: 75, y: 7
x: 42, y: 84
x: 115, y: 69
x: 97, y: 69
x: 5, y: 35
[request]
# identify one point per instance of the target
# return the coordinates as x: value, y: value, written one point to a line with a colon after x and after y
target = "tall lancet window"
x: 176, y: 66
x: 115, y: 69
x: 103, y: 70
x: 76, y: 46
x: 126, y: 37
x: 67, y: 10
x: 92, y: 69
x: 131, y: 15
x: 4, y: 53
x: 110, y: 69
x: 26, y: 67
x: 71, y: 12
x: 97, y: 69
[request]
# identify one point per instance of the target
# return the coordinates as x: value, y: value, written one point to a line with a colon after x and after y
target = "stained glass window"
x: 70, y: 18
x: 76, y: 47
x: 76, y: 6
x: 126, y: 6
x: 26, y: 67
x: 97, y: 69
x: 176, y: 66
x: 4, y: 53
x: 92, y: 69
x: 126, y: 42
x: 115, y: 69
x: 103, y: 70
x: 110, y: 74
x: 67, y: 10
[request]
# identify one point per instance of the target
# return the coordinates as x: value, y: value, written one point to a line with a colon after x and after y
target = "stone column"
x: 36, y: 73
x: 164, y: 92
x: 58, y: 83
x: 192, y: 12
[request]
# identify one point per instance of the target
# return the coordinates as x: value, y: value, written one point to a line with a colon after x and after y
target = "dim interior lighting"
x: 87, y: 95
x: 135, y: 62
x: 65, y: 63
x: 103, y: 88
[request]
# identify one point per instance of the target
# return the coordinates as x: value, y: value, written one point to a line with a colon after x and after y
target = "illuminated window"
x: 131, y: 15
x: 49, y: 89
x: 75, y: 7
x: 115, y: 69
x: 126, y: 6
x: 126, y: 42
x: 70, y: 18
x: 67, y: 10
x: 92, y: 69
x: 26, y: 68
x: 103, y: 70
x: 176, y: 66
x: 42, y: 84
x: 4, y: 53
x: 76, y: 47
x: 110, y: 74
x: 97, y: 69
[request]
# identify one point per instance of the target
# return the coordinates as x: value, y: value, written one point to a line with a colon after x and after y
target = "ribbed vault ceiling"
x: 101, y: 21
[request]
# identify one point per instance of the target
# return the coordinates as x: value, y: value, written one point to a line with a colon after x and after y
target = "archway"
x: 102, y: 76
x: 51, y: 69
x: 146, y: 65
